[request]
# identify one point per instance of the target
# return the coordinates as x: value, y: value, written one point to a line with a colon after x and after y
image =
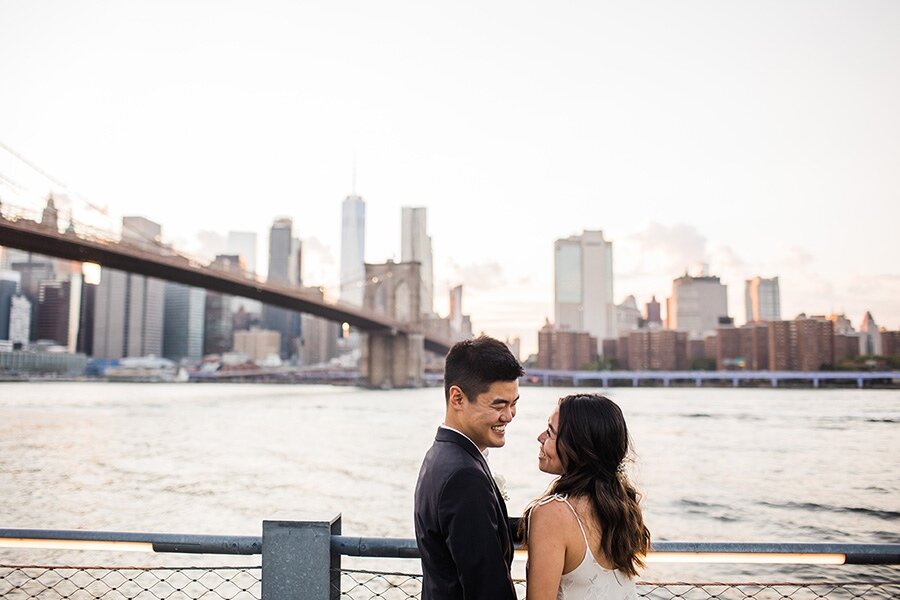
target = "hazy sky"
x: 758, y: 137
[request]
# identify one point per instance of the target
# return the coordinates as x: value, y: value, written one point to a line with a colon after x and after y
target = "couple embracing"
x: 585, y: 537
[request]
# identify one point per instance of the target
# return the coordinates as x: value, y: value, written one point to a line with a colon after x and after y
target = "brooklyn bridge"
x: 394, y: 340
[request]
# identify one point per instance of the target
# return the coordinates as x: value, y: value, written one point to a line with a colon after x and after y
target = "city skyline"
x: 674, y: 130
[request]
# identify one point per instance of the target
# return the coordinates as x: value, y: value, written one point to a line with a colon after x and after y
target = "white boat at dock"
x: 147, y: 369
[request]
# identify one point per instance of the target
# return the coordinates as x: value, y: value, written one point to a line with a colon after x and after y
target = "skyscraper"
x: 696, y: 305
x: 20, y: 320
x: 129, y: 308
x: 53, y: 311
x: 415, y: 246
x: 353, y: 249
x: 583, y: 285
x: 285, y: 322
x: 280, y: 241
x: 243, y: 243
x: 762, y: 299
x: 218, y: 326
x: 184, y: 322
x: 9, y: 287
x: 128, y: 315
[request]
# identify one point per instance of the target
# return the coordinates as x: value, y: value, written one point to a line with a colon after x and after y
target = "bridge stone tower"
x: 390, y: 359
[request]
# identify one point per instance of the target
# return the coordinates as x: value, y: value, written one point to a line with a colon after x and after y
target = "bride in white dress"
x: 586, y: 537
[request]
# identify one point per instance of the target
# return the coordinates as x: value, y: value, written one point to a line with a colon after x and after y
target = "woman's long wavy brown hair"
x: 592, y: 442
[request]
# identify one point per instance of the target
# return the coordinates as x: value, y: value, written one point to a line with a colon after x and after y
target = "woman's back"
x: 589, y: 580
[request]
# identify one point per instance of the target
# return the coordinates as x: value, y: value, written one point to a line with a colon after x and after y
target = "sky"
x: 759, y: 138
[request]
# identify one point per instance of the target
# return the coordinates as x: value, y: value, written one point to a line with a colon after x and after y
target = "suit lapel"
x: 448, y: 435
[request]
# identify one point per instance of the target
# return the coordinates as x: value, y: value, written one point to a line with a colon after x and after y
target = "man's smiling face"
x: 484, y: 419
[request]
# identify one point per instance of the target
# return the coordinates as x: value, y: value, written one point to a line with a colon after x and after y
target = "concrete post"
x: 297, y: 561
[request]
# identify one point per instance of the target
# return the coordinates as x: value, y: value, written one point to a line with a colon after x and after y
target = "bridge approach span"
x: 30, y: 236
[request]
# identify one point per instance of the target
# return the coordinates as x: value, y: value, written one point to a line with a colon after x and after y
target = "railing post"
x: 297, y: 561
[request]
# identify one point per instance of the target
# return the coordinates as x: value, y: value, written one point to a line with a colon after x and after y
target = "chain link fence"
x: 244, y: 583
x: 138, y: 583
x: 371, y: 585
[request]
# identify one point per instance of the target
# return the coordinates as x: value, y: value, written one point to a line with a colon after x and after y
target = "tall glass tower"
x: 415, y: 246
x: 583, y: 285
x: 353, y: 249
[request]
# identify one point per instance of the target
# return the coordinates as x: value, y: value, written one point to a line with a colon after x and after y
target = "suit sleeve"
x: 469, y: 518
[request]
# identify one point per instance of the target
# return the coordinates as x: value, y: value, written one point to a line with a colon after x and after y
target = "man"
x: 461, y: 521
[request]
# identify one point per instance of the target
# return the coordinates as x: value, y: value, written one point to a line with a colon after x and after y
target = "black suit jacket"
x: 462, y: 527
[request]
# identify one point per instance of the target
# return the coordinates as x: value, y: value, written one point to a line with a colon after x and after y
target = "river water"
x: 713, y: 464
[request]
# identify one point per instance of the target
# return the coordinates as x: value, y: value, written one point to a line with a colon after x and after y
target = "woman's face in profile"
x: 548, y: 457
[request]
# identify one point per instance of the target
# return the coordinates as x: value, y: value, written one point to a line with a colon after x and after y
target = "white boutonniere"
x: 500, y: 480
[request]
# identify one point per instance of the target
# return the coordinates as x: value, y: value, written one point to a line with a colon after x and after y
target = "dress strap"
x: 562, y: 498
x: 587, y: 546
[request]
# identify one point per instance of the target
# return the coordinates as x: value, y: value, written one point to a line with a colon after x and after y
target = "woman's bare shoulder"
x: 551, y: 512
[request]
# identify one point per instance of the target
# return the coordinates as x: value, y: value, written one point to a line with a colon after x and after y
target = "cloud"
x: 660, y: 249
x: 319, y: 265
x: 796, y: 257
x: 488, y: 275
x: 211, y: 243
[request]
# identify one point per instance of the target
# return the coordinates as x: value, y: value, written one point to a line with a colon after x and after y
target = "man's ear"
x: 457, y: 397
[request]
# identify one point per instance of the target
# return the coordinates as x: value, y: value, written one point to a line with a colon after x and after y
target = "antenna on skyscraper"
x: 354, y: 174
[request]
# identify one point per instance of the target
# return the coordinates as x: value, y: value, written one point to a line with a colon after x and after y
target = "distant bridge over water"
x: 699, y: 378
x: 153, y: 259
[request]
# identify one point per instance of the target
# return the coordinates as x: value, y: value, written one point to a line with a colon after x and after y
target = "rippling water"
x: 713, y: 464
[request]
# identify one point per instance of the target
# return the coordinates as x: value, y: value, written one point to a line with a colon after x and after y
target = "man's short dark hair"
x: 473, y: 365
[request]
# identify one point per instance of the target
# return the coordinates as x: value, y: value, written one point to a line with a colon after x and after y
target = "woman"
x: 586, y: 538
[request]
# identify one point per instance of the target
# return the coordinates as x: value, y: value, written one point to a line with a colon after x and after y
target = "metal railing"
x: 302, y: 559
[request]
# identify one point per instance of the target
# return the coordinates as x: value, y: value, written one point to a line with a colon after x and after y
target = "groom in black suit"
x: 462, y: 528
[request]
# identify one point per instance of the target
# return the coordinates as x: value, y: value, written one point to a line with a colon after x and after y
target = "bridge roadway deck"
x: 30, y: 236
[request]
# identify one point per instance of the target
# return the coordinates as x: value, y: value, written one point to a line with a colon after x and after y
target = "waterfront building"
x: 762, y: 299
x: 128, y: 315
x: 353, y: 249
x: 870, y: 336
x: 696, y: 350
x: 653, y: 314
x: 184, y: 322
x: 20, y: 320
x: 218, y: 325
x: 415, y: 246
x: 460, y: 324
x: 841, y: 323
x: 53, y: 311
x: 621, y: 352
x: 243, y: 244
x: 628, y: 317
x: 9, y: 287
x: 85, y: 338
x: 583, y: 285
x: 560, y: 348
x: 129, y: 308
x: 33, y: 269
x: 515, y: 346
x: 657, y: 349
x: 42, y: 362
x: 696, y: 304
x: 284, y: 321
x: 280, y: 241
x: 319, y: 339
x: 295, y: 263
x: 259, y: 345
x: 804, y: 344
x: 846, y: 346
x: 742, y: 348
x: 890, y: 343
